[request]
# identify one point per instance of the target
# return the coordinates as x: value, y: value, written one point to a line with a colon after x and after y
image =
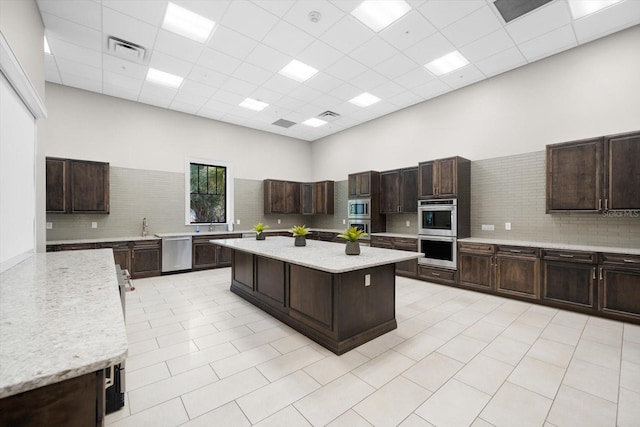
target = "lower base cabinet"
x: 206, y: 255
x: 146, y: 258
x: 406, y: 268
x: 438, y: 275
x: 619, y: 286
x: 475, y: 266
x: 517, y: 272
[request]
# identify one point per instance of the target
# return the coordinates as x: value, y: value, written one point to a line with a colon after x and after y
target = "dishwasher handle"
x: 176, y: 239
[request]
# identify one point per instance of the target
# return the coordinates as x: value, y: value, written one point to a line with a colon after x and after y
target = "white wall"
x: 89, y: 126
x: 588, y: 91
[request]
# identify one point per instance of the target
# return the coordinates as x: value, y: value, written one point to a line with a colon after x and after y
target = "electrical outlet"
x: 94, y: 225
x: 408, y: 223
x: 344, y: 221
x: 49, y: 225
x: 488, y: 227
x: 367, y: 280
x: 279, y: 222
x: 507, y: 226
x: 237, y: 221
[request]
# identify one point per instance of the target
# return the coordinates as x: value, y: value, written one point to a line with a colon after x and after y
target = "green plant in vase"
x: 352, y: 235
x: 299, y: 232
x: 259, y: 229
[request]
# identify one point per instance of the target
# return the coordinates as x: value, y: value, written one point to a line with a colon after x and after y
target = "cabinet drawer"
x: 570, y: 256
x: 115, y: 245
x: 483, y: 248
x: 517, y: 251
x: 631, y: 261
x: 78, y: 246
x: 147, y: 243
x: 381, y: 242
x: 403, y: 244
x: 437, y: 274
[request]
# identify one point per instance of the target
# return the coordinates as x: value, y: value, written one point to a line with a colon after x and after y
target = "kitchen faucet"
x: 145, y: 227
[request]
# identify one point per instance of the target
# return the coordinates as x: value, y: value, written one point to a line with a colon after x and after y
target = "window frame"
x: 229, y: 199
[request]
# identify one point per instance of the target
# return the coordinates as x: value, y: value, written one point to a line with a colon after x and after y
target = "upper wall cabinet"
x: 594, y: 175
x: 444, y: 178
x: 363, y: 183
x: 316, y: 198
x: 77, y: 186
x: 281, y: 197
x: 399, y: 191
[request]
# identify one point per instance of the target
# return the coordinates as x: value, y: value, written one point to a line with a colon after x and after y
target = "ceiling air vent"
x: 283, y: 123
x: 512, y: 9
x: 126, y: 50
x: 329, y: 115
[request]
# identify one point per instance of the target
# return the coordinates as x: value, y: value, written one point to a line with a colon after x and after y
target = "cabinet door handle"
x: 565, y: 256
x: 599, y: 204
x: 630, y: 261
x: 606, y: 204
x: 435, y: 274
x: 515, y: 251
x: 600, y: 273
x: 594, y: 273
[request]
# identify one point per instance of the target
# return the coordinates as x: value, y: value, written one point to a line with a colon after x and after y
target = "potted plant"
x: 259, y: 229
x: 299, y: 232
x: 352, y: 235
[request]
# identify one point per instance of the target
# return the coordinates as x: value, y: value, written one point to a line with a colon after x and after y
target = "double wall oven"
x: 359, y: 214
x: 438, y: 232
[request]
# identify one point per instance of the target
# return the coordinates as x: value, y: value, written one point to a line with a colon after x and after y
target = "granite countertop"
x: 550, y: 245
x: 401, y: 235
x: 60, y: 317
x: 325, y: 256
x: 101, y: 240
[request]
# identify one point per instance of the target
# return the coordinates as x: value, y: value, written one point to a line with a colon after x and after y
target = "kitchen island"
x: 339, y: 301
x: 61, y: 325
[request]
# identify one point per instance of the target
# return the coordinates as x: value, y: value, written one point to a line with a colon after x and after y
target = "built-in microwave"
x: 360, y: 208
x: 438, y: 251
x: 438, y: 217
x: 362, y: 224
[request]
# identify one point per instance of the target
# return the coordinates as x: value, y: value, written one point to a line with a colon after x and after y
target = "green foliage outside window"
x: 208, y: 193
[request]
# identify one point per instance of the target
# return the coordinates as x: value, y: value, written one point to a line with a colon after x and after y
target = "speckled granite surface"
x: 60, y: 317
x: 325, y: 256
x: 548, y: 245
x: 401, y: 235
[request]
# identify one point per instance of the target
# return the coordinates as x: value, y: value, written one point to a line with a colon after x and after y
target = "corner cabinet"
x: 594, y: 175
x: 281, y: 197
x: 207, y: 255
x: 399, y: 191
x: 76, y: 186
x: 404, y: 268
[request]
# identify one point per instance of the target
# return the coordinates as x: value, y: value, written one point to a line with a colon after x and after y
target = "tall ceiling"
x: 253, y: 40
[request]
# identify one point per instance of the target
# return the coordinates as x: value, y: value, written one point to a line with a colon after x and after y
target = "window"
x: 208, y: 192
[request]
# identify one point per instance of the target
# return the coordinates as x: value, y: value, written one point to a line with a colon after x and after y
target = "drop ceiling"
x: 253, y: 40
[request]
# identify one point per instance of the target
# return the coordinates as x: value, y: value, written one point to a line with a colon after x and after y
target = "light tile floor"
x: 201, y: 356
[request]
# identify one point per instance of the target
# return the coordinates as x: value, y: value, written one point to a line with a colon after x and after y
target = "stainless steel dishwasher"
x: 176, y: 253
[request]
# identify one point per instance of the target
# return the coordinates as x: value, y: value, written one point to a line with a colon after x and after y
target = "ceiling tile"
x: 303, y: 92
x: 327, y: 102
x: 266, y: 95
x: 287, y: 39
x: 252, y: 74
x: 184, y: 107
x: 178, y: 46
x: 473, y: 26
x: 388, y: 90
x: 429, y: 49
x: 396, y: 66
x: 373, y: 51
x: 408, y: 30
x: 71, y: 32
x: 614, y: 18
x: 268, y: 58
x: 319, y: 55
x: 369, y: 80
x: 51, y: 73
x: 487, y: 46
x: 208, y: 77
x: 74, y: 52
x: 347, y: 34
x: 127, y: 68
x: 323, y: 82
x: 404, y: 99
x: 170, y: 64
x: 119, y: 92
x: 431, y: 89
x: 549, y: 43
x: 127, y: 83
x: 346, y: 92
x: 227, y: 97
x: 231, y: 42
x: 346, y: 5
x: 151, y: 12
x: 195, y: 90
x: 239, y: 86
x: 501, y: 62
x: 346, y: 68
x: 81, y: 82
x: 298, y: 15
x: 288, y: 103
x: 542, y: 20
x: 128, y: 28
x: 442, y: 13
x: 84, y: 12
x: 156, y: 95
x: 416, y: 77
x: 213, y: 10
x: 66, y: 66
x: 249, y: 19
x: 462, y: 77
x: 281, y: 84
x: 218, y: 61
x: 277, y: 7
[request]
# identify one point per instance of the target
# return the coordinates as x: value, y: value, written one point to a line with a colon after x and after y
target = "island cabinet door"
x: 270, y: 281
x: 311, y: 298
x: 242, y: 270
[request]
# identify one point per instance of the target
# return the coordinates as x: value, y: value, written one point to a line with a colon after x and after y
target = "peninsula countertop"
x: 60, y: 317
x: 324, y: 256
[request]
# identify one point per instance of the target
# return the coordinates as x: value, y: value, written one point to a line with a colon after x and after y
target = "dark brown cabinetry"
x: 444, y: 178
x: 307, y: 198
x: 405, y: 268
x: 77, y: 186
x: 281, y: 197
x: 206, y: 255
x: 476, y: 265
x: 363, y: 184
x: 594, y: 175
x: 399, y: 191
x: 569, y: 278
x: 121, y: 253
x: 146, y: 258
x: 517, y: 271
x: 317, y: 198
x: 619, y: 286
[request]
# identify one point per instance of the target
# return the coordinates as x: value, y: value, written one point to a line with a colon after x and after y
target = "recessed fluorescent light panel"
x: 314, y: 123
x: 582, y: 8
x: 298, y: 71
x: 364, y: 100
x: 46, y: 46
x: 186, y: 23
x: 164, y: 79
x: 448, y: 63
x: 254, y: 104
x: 379, y: 14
